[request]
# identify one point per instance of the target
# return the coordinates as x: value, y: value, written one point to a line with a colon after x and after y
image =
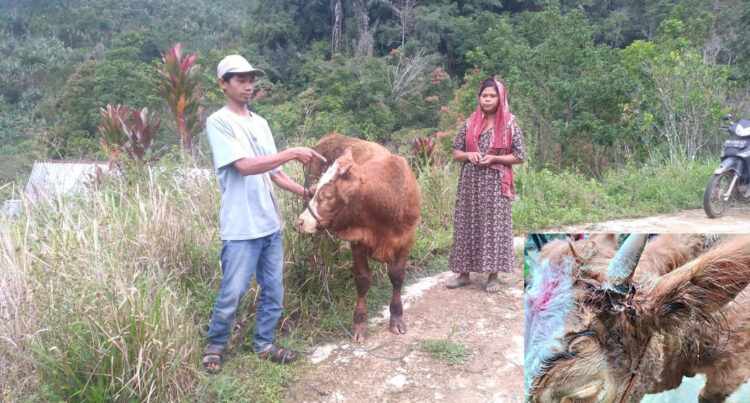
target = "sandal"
x: 493, y: 287
x: 455, y: 283
x: 278, y: 354
x: 212, y: 356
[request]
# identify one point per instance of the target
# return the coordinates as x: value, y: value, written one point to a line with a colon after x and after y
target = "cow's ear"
x: 698, y: 288
x: 345, y: 162
x: 344, y: 169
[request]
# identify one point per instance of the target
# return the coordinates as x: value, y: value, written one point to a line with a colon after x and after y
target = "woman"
x: 487, y: 145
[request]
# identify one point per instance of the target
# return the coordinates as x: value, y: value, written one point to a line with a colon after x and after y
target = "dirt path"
x: 489, y: 326
x: 735, y: 220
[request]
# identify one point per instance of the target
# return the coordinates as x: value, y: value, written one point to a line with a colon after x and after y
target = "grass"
x: 445, y: 350
x: 103, y: 303
x: 247, y: 377
x: 552, y: 199
x: 107, y: 295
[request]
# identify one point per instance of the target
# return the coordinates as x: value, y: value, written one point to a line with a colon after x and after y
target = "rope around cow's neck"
x: 637, y: 369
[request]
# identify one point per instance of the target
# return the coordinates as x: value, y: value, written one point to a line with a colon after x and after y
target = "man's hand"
x: 309, y: 192
x: 305, y: 155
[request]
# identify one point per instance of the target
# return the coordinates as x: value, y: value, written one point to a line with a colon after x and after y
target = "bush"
x: 549, y: 199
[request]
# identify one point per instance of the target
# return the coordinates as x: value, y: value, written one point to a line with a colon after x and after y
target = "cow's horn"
x: 622, y: 266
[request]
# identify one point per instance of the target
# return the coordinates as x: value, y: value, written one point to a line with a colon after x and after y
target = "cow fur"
x: 370, y: 199
x: 687, y: 302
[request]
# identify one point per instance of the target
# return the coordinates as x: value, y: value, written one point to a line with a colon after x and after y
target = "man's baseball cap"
x: 237, y: 64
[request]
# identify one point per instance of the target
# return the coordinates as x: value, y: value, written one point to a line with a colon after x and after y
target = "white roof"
x: 50, y: 178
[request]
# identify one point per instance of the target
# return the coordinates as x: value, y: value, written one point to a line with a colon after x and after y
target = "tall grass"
x: 102, y: 290
x: 437, y: 186
x: 549, y: 199
x: 107, y: 295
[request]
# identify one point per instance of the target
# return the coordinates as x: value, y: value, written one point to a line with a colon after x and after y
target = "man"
x: 246, y: 162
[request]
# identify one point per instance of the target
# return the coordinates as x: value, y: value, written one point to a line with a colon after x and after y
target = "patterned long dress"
x: 482, y: 226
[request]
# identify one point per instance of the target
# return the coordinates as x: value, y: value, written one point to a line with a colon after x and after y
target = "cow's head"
x: 588, y: 322
x: 336, y: 188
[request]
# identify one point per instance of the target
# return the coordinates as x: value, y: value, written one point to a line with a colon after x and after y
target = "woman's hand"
x: 487, y: 160
x: 474, y: 158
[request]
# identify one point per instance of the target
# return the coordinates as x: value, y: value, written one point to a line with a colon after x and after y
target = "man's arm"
x: 262, y: 164
x: 286, y: 183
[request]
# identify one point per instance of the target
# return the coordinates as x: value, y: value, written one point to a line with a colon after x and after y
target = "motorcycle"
x: 731, y: 179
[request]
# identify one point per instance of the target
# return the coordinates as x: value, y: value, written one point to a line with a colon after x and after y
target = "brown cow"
x: 609, y: 324
x: 370, y: 198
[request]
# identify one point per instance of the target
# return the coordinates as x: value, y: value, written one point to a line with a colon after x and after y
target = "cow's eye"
x: 590, y: 394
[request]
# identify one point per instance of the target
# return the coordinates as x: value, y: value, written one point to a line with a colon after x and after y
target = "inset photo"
x: 636, y: 318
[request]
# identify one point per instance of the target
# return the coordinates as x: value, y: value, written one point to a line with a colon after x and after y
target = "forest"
x: 595, y: 85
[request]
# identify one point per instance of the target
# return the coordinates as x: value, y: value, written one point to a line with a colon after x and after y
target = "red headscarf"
x: 503, y: 134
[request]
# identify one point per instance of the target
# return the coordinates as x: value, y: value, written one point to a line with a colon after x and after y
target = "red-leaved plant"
x: 179, y: 86
x: 127, y: 131
x: 424, y: 150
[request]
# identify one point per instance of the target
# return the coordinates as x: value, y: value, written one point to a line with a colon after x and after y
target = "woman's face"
x: 488, y: 100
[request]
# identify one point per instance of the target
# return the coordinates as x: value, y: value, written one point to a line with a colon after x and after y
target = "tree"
x: 404, y: 10
x: 680, y: 98
x: 338, y: 22
x: 566, y: 90
x: 364, y: 43
x: 121, y: 77
x: 180, y: 87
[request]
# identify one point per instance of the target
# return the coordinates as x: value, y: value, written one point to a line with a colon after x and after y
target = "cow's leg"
x: 721, y: 383
x: 363, y: 280
x: 396, y: 272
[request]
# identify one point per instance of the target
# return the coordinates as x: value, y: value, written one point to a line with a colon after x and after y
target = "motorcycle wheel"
x: 713, y: 199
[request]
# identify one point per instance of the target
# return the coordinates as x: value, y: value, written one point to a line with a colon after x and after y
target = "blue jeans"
x: 239, y: 260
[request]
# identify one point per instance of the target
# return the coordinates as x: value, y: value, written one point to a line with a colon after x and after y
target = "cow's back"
x: 331, y: 146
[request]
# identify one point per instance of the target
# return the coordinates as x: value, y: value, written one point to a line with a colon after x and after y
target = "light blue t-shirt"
x: 247, y: 210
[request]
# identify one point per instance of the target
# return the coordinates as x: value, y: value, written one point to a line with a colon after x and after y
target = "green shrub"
x: 548, y: 199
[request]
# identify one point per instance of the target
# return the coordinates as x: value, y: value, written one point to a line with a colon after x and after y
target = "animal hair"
x: 700, y: 287
x: 549, y: 299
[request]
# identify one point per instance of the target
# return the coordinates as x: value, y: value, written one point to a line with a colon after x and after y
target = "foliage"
x: 104, y: 291
x: 549, y: 199
x: 562, y: 62
x: 17, y: 146
x: 119, y: 78
x: 679, y: 99
x: 423, y: 149
x: 84, y: 24
x: 128, y: 131
x: 364, y: 97
x: 30, y: 65
x: 179, y: 87
x: 565, y: 89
